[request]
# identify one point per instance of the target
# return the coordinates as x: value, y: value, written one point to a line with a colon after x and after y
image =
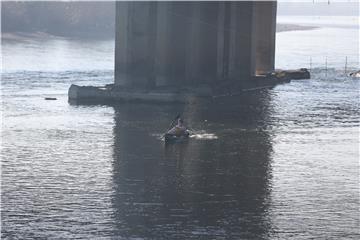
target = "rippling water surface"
x: 278, y: 163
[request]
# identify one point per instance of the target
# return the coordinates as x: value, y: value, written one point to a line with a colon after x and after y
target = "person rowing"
x: 178, y: 133
x: 179, y: 129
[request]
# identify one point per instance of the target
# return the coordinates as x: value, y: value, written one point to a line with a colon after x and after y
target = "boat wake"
x: 198, y: 135
x: 202, y: 135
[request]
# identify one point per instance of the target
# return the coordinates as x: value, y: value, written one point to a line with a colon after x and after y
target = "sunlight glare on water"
x: 277, y: 163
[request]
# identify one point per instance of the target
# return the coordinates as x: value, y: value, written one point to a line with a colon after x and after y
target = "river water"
x: 277, y: 163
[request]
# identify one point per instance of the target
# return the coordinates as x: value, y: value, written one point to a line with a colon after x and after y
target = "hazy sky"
x: 319, y: 7
x: 319, y: 1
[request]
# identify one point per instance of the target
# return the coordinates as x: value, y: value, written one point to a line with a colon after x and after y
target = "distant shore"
x: 22, y: 36
x: 285, y: 27
x: 18, y: 36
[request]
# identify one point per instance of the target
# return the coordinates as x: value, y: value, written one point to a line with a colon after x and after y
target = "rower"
x: 179, y: 129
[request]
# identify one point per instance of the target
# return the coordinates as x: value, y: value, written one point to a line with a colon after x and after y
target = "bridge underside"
x: 179, y: 44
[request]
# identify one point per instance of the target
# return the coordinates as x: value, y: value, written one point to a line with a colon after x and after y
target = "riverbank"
x: 284, y: 27
x: 19, y: 36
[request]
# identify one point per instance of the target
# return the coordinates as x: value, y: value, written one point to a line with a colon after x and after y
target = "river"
x: 277, y: 163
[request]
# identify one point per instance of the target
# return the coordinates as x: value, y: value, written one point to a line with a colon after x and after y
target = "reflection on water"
x: 281, y: 163
x: 218, y: 187
x: 276, y: 164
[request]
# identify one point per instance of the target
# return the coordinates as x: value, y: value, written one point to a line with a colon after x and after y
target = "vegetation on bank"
x: 67, y: 19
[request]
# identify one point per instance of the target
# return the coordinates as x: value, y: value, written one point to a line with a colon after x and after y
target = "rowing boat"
x: 172, y: 138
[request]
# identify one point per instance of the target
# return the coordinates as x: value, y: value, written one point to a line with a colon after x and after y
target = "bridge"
x: 188, y: 43
x: 166, y: 51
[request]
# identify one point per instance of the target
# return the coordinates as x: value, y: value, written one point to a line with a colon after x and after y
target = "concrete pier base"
x: 113, y: 93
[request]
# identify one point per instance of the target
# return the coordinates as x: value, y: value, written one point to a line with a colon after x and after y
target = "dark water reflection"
x: 206, y: 187
x: 282, y: 163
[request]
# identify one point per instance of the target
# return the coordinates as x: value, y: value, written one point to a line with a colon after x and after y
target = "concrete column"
x: 208, y: 46
x: 122, y: 57
x: 193, y: 44
x: 140, y: 42
x: 135, y: 44
x: 265, y: 17
x: 180, y: 20
x: 189, y: 43
x: 162, y: 61
x: 220, y: 41
x: 242, y: 41
x: 152, y: 39
x: 233, y: 42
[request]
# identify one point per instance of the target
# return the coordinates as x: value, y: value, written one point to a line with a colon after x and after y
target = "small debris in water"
x: 355, y: 74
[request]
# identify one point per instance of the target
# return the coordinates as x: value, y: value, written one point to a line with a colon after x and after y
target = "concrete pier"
x: 191, y: 43
x: 181, y: 48
x: 265, y: 16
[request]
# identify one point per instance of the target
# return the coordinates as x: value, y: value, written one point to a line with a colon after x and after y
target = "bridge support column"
x: 193, y: 45
x: 122, y: 43
x: 181, y: 44
x: 135, y: 45
x: 242, y: 41
x: 222, y: 50
x: 265, y: 18
x: 163, y: 44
